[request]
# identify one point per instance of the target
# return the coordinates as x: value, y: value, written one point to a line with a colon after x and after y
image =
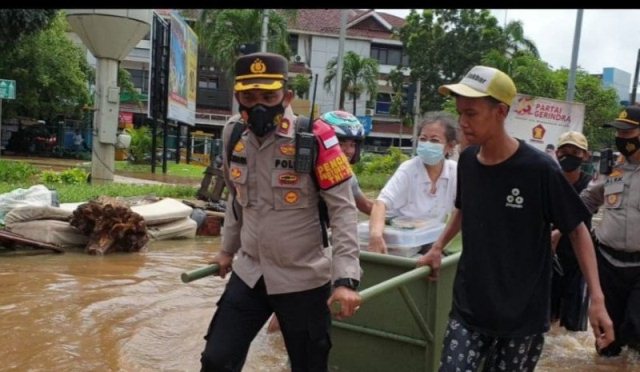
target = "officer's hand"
x: 348, y: 299
x: 377, y: 244
x: 432, y: 258
x: 601, y: 324
x: 555, y: 238
x: 225, y: 260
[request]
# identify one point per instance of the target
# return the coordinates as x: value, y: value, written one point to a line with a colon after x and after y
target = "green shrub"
x: 140, y: 143
x: 383, y: 164
x: 16, y: 171
x: 69, y: 177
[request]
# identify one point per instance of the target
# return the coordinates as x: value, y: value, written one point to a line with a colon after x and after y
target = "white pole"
x: 343, y: 32
x: 265, y: 31
x: 416, y: 118
x: 571, y: 84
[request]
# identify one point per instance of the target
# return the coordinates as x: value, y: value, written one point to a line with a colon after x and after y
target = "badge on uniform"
x: 291, y: 197
x: 235, y: 173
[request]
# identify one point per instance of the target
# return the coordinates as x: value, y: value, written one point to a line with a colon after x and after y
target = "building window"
x: 140, y: 79
x: 293, y: 44
x: 208, y: 83
x: 389, y: 55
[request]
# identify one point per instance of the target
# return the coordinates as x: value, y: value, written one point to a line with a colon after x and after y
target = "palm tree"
x: 222, y: 33
x: 359, y: 74
x: 517, y: 42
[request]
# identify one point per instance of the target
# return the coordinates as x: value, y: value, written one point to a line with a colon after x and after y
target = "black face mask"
x: 569, y: 163
x: 261, y: 118
x: 627, y: 146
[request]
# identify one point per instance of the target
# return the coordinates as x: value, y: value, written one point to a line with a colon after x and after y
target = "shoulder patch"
x: 239, y: 146
x: 332, y: 165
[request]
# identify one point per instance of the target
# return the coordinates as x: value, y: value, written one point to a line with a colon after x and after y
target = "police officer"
x: 618, y: 235
x: 271, y: 233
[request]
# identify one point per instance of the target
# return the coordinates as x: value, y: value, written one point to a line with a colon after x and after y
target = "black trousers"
x: 621, y: 287
x: 304, y: 319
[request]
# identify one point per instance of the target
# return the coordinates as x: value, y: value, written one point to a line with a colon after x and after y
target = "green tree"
x: 50, y: 72
x: 443, y: 44
x: 17, y: 23
x: 601, y: 106
x: 359, y: 75
x: 531, y: 75
x: 516, y: 41
x: 222, y: 32
x: 300, y: 85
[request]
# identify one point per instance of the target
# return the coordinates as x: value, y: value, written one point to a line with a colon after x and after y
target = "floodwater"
x: 131, y: 312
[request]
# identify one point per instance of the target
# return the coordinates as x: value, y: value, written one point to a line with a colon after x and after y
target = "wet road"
x: 131, y: 312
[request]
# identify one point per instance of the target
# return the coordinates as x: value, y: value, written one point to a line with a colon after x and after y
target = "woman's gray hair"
x: 447, y: 120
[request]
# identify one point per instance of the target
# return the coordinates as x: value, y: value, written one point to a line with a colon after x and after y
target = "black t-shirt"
x: 503, y: 281
x: 564, y: 250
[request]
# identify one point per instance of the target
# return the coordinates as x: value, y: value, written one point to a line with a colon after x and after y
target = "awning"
x: 129, y: 96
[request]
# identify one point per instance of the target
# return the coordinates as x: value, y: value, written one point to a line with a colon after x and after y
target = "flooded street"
x: 131, y: 312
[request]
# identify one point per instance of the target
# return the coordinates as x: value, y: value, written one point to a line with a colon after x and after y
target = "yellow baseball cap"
x: 483, y: 81
x: 261, y: 71
x: 573, y: 138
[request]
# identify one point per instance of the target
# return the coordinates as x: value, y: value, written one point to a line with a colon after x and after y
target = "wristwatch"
x: 347, y: 282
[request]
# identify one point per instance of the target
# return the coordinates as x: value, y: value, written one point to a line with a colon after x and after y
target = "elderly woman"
x: 423, y: 186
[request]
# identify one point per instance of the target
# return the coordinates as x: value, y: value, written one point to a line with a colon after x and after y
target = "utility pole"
x: 571, y: 84
x: 343, y: 32
x: 265, y: 31
x: 635, y: 82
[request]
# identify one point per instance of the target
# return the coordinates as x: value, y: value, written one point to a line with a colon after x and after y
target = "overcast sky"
x: 609, y: 38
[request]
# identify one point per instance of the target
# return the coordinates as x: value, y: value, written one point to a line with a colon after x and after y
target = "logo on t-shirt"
x: 514, y: 200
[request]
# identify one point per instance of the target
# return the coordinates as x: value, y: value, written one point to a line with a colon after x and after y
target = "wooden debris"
x: 111, y: 226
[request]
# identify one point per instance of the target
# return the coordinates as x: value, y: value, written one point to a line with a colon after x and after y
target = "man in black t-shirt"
x: 569, y: 300
x: 508, y: 195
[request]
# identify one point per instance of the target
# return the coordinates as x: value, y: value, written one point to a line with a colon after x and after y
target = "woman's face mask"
x: 431, y: 153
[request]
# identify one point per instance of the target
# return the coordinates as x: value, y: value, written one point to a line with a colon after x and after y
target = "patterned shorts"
x: 465, y: 350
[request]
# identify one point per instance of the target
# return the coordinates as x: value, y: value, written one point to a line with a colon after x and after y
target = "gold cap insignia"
x: 258, y: 67
x: 623, y: 115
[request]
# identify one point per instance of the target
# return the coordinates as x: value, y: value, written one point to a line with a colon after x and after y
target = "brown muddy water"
x: 131, y: 312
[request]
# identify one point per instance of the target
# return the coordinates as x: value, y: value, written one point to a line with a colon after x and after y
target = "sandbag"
x: 31, y: 213
x: 183, y: 228
x: 56, y: 232
x: 163, y: 211
x: 36, y: 195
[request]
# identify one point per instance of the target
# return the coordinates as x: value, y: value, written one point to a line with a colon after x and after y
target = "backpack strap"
x: 236, y: 135
x: 303, y: 124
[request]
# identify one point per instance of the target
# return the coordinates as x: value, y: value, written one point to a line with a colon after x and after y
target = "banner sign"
x: 183, y: 62
x: 540, y: 121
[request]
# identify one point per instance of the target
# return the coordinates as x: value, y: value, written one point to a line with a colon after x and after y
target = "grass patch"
x: 73, y: 193
x: 173, y: 169
x: 16, y: 171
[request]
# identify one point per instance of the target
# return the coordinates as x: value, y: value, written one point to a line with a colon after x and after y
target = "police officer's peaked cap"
x: 629, y: 118
x: 261, y: 71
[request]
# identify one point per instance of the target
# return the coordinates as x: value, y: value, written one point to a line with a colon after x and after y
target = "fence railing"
x: 211, y: 119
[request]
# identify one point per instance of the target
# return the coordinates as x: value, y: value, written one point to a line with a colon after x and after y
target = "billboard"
x: 540, y: 121
x: 183, y: 62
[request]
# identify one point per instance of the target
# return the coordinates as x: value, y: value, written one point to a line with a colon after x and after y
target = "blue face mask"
x: 430, y: 153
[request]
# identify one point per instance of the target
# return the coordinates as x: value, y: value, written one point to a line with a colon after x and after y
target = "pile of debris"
x: 103, y: 225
